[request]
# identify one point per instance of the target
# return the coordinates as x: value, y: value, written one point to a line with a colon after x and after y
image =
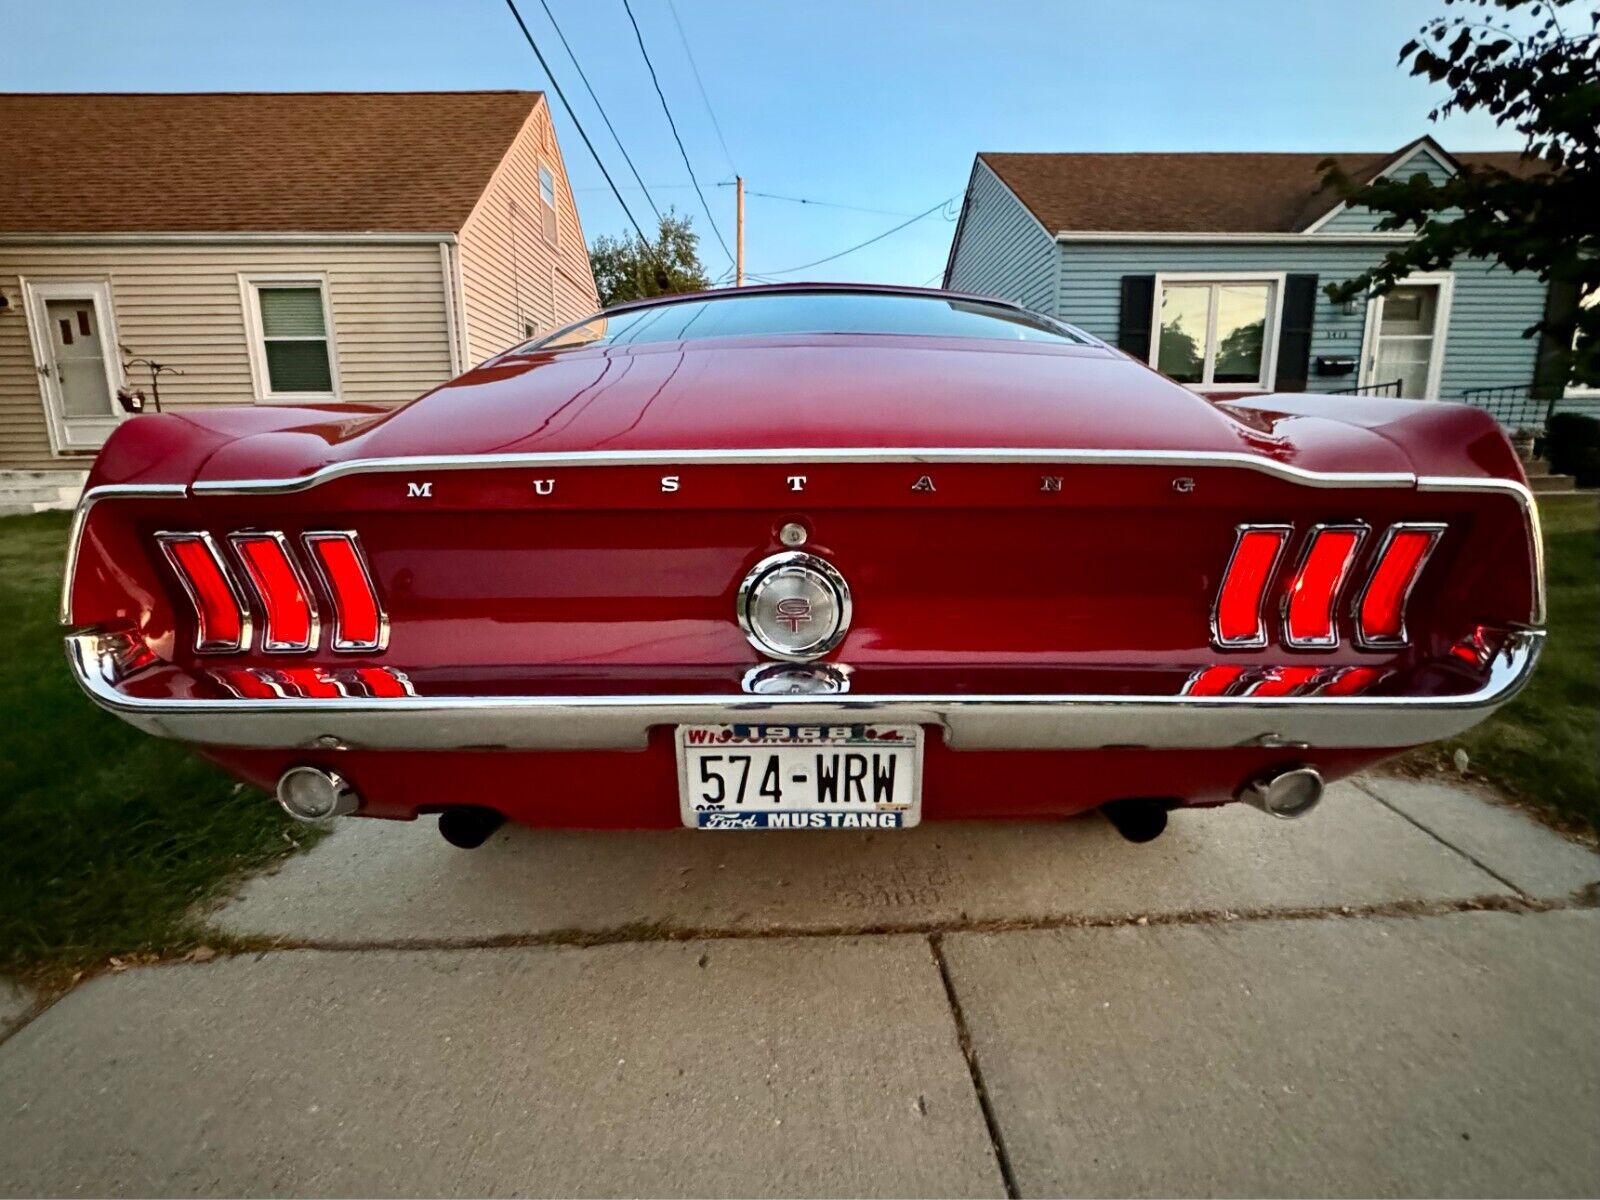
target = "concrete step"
x: 20, y: 510
x: 40, y: 491
x: 1551, y: 483
x: 1535, y: 467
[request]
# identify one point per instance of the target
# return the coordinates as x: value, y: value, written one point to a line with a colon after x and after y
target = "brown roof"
x: 1189, y: 193
x: 251, y: 162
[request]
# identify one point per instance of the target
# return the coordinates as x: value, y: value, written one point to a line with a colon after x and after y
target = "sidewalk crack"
x: 1362, y: 785
x: 997, y: 1141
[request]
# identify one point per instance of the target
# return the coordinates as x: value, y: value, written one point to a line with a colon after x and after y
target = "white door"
x: 75, y: 354
x: 1405, y: 338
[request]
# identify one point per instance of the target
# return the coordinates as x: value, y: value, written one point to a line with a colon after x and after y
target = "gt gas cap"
x: 794, y: 606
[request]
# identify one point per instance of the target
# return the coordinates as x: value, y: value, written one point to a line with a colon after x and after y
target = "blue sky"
x: 877, y: 104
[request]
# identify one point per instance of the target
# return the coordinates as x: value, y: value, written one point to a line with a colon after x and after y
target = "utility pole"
x: 738, y: 266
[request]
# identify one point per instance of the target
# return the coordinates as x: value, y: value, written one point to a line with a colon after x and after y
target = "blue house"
x: 1212, y: 268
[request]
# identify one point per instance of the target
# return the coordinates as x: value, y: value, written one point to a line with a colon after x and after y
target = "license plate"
x: 800, y: 776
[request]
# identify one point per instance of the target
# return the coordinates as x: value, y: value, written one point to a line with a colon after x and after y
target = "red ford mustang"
x: 805, y: 557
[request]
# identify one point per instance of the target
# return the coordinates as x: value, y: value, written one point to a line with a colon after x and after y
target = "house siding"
x: 1361, y: 219
x: 515, y: 283
x: 181, y: 305
x: 1484, y: 346
x: 1001, y: 249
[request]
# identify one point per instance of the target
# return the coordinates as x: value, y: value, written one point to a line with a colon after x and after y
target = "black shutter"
x: 1560, y: 309
x: 1138, y: 306
x: 1294, y: 337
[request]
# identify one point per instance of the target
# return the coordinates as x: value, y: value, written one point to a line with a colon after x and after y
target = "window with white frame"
x: 547, y: 202
x: 1216, y: 332
x: 292, y: 348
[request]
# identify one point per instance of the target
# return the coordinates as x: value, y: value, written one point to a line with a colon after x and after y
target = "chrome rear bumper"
x: 969, y: 722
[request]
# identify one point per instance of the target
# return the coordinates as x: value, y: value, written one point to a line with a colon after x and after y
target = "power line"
x: 601, y: 108
x: 700, y: 83
x: 882, y: 212
x: 860, y: 245
x: 660, y: 95
x: 562, y: 96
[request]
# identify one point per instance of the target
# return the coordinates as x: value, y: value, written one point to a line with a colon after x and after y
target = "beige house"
x: 264, y: 249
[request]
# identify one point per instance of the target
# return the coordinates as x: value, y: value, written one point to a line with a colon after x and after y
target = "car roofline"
x: 811, y: 288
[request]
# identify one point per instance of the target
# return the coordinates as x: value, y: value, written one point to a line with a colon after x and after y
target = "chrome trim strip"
x: 80, y: 517
x: 1363, y: 642
x: 166, y: 539
x: 268, y: 643
x: 1362, y: 531
x: 997, y: 722
x: 1530, y: 512
x: 824, y: 454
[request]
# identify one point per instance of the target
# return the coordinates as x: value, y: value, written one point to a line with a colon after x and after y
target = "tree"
x: 1542, y: 79
x: 628, y: 269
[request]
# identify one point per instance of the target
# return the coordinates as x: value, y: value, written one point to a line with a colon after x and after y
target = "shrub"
x: 1572, y: 447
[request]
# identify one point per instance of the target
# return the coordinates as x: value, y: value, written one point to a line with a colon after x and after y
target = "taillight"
x: 358, y: 621
x: 1238, y: 622
x: 222, y: 623
x: 1381, y: 610
x: 310, y: 682
x: 1309, y: 620
x: 290, y: 612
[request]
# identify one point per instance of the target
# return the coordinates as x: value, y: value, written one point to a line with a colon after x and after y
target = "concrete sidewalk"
x: 1242, y: 1007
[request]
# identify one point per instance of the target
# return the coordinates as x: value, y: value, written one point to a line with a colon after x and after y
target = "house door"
x: 1404, y: 347
x: 75, y: 354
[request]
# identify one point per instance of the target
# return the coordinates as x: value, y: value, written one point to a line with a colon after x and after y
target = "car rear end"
x: 1025, y: 632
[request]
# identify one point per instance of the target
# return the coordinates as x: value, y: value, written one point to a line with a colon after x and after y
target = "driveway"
x: 1395, y: 995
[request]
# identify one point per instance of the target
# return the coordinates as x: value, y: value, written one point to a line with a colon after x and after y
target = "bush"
x: 1572, y: 447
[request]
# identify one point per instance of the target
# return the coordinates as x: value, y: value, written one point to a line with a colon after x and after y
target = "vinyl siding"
x: 515, y: 283
x: 1001, y: 249
x: 181, y: 305
x: 1484, y: 346
x: 1361, y: 219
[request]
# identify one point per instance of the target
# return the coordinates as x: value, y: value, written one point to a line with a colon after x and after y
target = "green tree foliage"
x: 1534, y: 66
x: 628, y: 269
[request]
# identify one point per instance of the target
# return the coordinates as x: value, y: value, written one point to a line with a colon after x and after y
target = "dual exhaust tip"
x: 1285, y: 793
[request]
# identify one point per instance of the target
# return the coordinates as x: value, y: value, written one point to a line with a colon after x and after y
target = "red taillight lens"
x: 251, y: 685
x: 1237, y: 622
x: 1381, y: 612
x: 291, y: 615
x: 1283, y: 681
x: 359, y: 622
x: 1309, y: 620
x: 221, y: 622
x: 1212, y: 681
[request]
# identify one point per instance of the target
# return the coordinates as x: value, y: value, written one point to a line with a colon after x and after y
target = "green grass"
x: 1543, y: 748
x: 108, y: 837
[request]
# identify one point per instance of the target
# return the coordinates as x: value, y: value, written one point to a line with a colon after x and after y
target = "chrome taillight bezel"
x: 166, y: 539
x: 1403, y: 639
x: 1363, y: 531
x: 268, y: 643
x: 1263, y: 636
x: 337, y: 641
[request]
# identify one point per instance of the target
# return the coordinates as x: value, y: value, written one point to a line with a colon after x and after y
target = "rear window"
x: 736, y: 315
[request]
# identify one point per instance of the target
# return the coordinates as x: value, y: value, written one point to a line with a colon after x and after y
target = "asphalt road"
x: 1394, y: 996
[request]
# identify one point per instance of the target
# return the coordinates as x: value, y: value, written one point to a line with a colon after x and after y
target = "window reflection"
x: 1214, y: 332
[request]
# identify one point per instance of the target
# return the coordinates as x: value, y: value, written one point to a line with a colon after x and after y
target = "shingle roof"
x: 252, y: 162
x: 1189, y: 193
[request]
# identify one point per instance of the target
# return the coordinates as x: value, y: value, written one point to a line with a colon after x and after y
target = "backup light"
x: 1237, y: 622
x: 221, y: 622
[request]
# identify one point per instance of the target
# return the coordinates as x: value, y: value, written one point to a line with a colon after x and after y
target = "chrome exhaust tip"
x: 1286, y: 794
x: 313, y: 795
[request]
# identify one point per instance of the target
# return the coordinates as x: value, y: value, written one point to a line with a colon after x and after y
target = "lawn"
x: 107, y: 836
x: 1543, y: 748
